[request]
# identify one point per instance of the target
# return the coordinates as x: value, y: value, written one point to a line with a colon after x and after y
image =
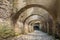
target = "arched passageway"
x: 43, y: 16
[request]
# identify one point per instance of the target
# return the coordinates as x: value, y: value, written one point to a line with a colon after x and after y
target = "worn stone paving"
x: 36, y: 35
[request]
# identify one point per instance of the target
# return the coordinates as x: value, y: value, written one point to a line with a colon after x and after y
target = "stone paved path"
x: 36, y: 35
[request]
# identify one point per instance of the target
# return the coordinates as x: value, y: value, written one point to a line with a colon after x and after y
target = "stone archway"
x: 16, y: 16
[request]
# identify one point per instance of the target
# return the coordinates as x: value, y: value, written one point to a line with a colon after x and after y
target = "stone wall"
x: 6, y: 29
x: 5, y: 9
x: 58, y: 19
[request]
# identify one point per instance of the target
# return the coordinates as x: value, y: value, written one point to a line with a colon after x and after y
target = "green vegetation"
x: 6, y: 31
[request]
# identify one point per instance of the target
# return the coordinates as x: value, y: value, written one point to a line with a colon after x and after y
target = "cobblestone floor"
x: 36, y: 35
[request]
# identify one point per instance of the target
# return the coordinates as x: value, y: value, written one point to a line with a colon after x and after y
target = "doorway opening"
x: 36, y: 26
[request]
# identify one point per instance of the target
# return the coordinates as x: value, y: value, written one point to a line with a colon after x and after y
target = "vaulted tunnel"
x: 35, y: 18
x: 38, y: 13
x: 44, y: 16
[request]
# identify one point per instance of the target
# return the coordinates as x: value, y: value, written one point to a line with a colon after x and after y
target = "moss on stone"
x: 6, y: 31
